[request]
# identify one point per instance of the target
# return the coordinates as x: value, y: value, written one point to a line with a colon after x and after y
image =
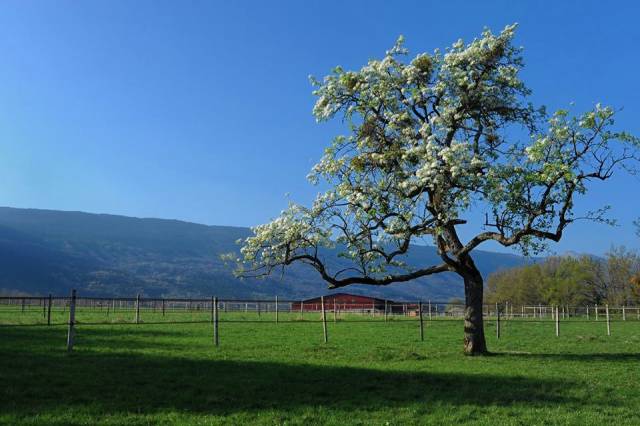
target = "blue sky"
x: 202, y: 110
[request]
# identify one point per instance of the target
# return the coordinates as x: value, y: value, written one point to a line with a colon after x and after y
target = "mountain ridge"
x: 99, y: 254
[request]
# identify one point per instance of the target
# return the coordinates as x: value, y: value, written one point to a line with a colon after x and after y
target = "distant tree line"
x: 571, y: 280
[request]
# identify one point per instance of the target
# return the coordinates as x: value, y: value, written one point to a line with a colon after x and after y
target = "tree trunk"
x: 474, y: 341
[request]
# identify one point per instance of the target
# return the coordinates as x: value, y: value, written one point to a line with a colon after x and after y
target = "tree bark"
x: 474, y: 341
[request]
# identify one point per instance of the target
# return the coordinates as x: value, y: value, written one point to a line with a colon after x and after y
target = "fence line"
x: 386, y: 308
x: 74, y: 311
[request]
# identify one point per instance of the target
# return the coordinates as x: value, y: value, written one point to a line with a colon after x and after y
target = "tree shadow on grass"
x: 607, y: 357
x: 37, y: 382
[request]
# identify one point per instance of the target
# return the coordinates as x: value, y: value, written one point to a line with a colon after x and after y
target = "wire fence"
x: 39, y: 310
x: 72, y: 311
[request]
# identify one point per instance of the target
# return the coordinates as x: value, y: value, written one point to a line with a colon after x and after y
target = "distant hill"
x: 43, y: 251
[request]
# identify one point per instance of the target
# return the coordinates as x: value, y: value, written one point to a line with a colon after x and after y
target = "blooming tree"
x: 432, y: 142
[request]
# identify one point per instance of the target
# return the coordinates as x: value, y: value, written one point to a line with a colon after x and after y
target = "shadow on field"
x: 588, y: 357
x: 36, y: 380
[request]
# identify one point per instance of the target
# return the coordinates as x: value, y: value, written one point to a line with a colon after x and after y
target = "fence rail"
x: 73, y: 311
x: 430, y: 309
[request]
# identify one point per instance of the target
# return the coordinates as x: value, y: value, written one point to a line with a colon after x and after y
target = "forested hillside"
x: 44, y: 251
x: 571, y: 280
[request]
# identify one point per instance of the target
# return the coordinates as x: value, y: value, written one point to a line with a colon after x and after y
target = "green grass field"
x: 370, y: 372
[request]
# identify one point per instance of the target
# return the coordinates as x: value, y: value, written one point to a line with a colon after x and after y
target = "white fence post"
x: 324, y: 321
x: 497, y: 321
x: 216, y: 337
x: 421, y: 324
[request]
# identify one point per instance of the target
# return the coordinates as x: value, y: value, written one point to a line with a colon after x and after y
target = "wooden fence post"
x: 608, y: 320
x: 162, y: 307
x: 49, y: 310
x: 430, y: 310
x: 587, y: 312
x: 324, y: 320
x: 497, y: 321
x: 335, y: 311
x: 557, y: 323
x: 138, y: 309
x: 386, y: 309
x: 276, y: 309
x: 212, y: 309
x: 421, y: 324
x: 624, y: 313
x: 72, y: 320
x: 216, y: 338
x: 596, y: 312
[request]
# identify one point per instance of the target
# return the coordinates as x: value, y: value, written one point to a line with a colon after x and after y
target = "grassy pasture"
x: 370, y: 372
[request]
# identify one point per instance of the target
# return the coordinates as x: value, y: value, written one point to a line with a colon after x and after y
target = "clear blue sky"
x: 202, y: 111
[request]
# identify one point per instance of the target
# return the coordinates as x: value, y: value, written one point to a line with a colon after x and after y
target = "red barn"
x: 346, y: 302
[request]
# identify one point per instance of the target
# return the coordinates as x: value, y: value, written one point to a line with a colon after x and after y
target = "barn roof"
x: 341, y: 295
